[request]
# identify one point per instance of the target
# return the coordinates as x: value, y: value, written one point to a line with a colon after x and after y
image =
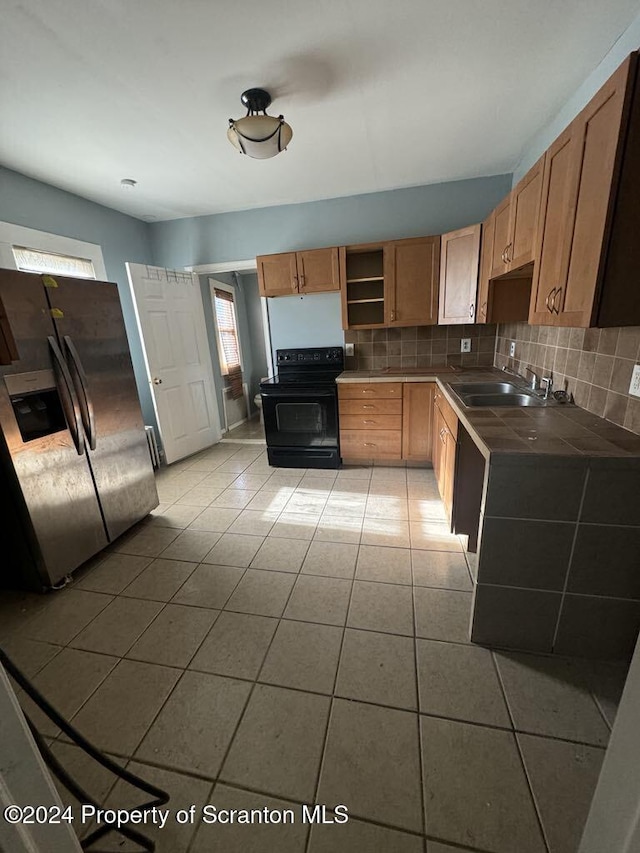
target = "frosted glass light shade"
x: 260, y: 136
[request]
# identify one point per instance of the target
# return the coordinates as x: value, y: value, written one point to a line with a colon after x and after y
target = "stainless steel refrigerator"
x: 76, y: 470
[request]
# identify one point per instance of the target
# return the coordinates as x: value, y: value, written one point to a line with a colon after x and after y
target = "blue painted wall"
x: 316, y: 320
x: 25, y: 201
x: 306, y: 321
x: 626, y: 44
x: 412, y: 212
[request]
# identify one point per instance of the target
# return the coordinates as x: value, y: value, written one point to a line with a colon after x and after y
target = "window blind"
x: 33, y: 260
x: 227, y: 331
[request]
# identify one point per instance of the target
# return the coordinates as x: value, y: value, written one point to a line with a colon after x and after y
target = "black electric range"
x: 300, y: 408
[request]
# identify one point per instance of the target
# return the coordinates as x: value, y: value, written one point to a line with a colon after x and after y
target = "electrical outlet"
x: 349, y: 349
x: 634, y: 387
x: 465, y: 344
x: 512, y: 349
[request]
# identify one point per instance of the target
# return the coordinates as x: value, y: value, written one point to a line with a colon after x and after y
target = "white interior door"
x: 171, y: 322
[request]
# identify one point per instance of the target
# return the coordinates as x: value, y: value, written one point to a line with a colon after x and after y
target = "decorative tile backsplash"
x: 595, y: 365
x: 420, y: 346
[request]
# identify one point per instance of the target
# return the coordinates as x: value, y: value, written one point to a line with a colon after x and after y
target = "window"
x: 34, y: 260
x: 228, y: 344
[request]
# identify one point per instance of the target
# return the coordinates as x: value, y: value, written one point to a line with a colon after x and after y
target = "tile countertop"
x: 560, y: 430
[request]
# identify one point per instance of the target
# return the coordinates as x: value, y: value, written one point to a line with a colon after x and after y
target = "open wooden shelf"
x: 362, y: 301
x: 366, y: 278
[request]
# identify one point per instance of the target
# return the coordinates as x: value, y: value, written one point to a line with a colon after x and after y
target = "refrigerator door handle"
x: 86, y: 406
x: 68, y: 395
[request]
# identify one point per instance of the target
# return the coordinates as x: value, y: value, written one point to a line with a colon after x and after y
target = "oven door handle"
x: 302, y: 396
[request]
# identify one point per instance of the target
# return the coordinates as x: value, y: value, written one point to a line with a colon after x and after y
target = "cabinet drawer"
x: 371, y: 444
x: 367, y: 407
x: 450, y: 417
x: 369, y: 390
x: 369, y: 421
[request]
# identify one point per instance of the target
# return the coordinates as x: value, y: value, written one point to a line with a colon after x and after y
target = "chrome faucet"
x: 547, y: 381
x: 535, y: 379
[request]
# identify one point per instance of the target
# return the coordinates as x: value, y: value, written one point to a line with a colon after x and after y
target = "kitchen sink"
x: 486, y: 388
x: 495, y: 394
x: 503, y: 399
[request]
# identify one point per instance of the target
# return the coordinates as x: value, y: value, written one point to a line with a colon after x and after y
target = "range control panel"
x: 323, y: 355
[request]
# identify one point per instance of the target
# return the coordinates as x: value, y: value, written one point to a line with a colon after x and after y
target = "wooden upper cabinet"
x: 557, y: 210
x: 501, y: 215
x: 311, y: 271
x: 598, y: 130
x: 523, y: 220
x: 363, y: 288
x: 459, y: 265
x: 486, y: 255
x: 516, y: 224
x: 318, y: 270
x: 411, y: 271
x: 277, y: 274
x: 587, y: 169
x: 417, y: 416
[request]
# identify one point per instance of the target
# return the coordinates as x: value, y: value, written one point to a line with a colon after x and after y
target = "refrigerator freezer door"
x: 90, y: 327
x: 47, y: 481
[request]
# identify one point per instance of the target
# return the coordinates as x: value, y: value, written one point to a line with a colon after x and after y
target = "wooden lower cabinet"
x: 386, y: 420
x: 370, y: 443
x: 417, y: 416
x: 370, y: 415
x: 371, y: 421
x: 445, y: 434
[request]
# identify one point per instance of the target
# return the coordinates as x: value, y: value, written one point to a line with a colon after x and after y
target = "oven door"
x: 300, y: 418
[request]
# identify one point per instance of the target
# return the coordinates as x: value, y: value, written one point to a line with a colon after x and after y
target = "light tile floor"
x: 278, y: 637
x: 251, y: 431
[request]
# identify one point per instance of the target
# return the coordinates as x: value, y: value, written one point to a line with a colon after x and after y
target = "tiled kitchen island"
x: 559, y: 523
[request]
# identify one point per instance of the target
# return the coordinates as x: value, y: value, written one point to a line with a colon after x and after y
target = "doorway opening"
x: 240, y: 348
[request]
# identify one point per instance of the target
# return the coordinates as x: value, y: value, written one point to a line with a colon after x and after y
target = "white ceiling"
x: 380, y: 94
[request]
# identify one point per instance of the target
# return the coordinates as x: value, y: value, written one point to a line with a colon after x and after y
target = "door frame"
x: 240, y: 267
x: 214, y: 285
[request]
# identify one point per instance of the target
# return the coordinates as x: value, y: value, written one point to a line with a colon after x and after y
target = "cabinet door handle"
x: 483, y: 309
x: 393, y: 316
x: 368, y: 407
x: 547, y: 300
x: 302, y: 281
x: 367, y: 390
x: 509, y: 253
x: 369, y: 444
x: 472, y: 308
x: 294, y: 286
x: 368, y: 422
x: 554, y: 308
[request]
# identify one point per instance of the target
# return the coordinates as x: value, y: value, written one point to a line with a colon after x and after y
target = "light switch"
x: 465, y: 344
x: 349, y: 349
x: 634, y: 387
x: 512, y: 349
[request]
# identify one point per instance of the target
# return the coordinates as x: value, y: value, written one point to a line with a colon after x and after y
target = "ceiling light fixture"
x: 128, y: 183
x: 259, y: 136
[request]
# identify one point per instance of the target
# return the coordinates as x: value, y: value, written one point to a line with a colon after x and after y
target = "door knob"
x: 157, y: 381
